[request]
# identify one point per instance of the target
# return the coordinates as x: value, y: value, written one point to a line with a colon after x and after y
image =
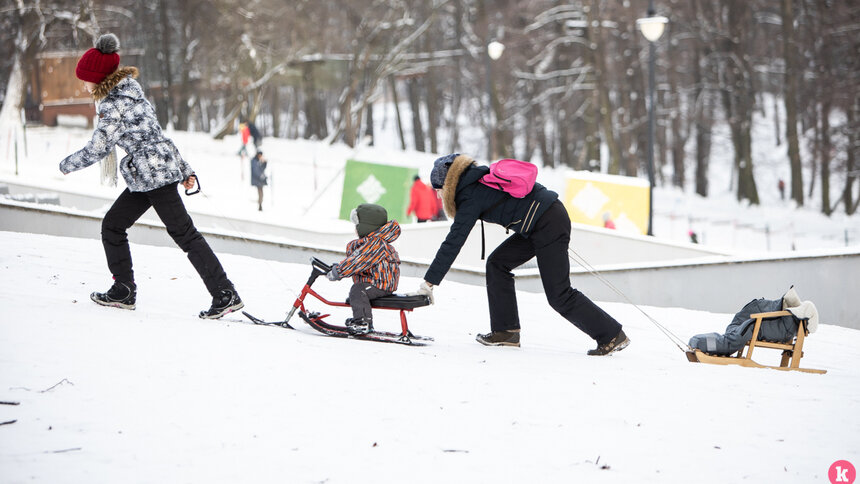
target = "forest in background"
x: 570, y: 87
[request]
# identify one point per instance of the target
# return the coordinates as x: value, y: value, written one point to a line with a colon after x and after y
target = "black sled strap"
x: 483, y: 239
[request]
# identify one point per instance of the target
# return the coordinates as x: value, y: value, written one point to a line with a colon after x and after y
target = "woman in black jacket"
x: 541, y: 229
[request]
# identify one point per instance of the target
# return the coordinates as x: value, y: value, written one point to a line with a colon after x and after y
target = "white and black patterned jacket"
x: 127, y: 120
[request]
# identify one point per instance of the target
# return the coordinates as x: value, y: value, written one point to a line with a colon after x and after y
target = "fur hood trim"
x: 452, y: 179
x: 801, y: 309
x: 103, y: 88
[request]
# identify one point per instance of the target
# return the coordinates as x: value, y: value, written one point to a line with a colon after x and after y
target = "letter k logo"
x: 842, y: 472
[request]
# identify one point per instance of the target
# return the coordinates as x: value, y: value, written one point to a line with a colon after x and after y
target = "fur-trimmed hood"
x: 452, y: 179
x: 801, y: 309
x: 103, y: 88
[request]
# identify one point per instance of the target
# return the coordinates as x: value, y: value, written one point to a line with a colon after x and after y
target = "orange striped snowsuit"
x: 372, y: 258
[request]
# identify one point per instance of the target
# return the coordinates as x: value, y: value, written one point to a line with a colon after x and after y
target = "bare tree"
x: 790, y: 56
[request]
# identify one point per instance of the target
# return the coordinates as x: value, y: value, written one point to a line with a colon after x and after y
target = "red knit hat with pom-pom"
x: 100, y: 61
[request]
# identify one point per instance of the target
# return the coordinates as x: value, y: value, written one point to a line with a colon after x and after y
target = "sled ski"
x: 315, y: 321
x: 255, y: 320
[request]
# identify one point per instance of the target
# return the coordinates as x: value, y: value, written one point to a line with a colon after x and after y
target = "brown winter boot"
x: 618, y: 343
x: 510, y: 337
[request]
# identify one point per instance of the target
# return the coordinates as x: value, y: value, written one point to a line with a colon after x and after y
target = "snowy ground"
x: 158, y: 395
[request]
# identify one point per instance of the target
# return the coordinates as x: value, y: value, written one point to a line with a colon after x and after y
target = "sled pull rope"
x: 241, y: 235
x: 574, y: 256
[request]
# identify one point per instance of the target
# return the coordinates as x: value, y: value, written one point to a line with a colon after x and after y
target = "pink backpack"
x: 511, y: 176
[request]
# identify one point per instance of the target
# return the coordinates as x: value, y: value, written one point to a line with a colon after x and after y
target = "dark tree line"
x: 569, y: 89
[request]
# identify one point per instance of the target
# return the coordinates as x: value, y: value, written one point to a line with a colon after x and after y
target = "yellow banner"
x: 609, y: 201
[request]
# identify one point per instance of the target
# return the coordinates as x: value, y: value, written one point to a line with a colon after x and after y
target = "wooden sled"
x: 791, y: 353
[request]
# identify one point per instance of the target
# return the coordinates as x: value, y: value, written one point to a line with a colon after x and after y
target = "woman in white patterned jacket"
x: 152, y: 169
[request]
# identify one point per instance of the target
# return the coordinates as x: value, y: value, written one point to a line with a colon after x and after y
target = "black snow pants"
x: 548, y: 242
x: 360, y: 295
x: 130, y: 206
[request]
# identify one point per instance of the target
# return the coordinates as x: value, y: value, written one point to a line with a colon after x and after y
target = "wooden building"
x: 54, y: 90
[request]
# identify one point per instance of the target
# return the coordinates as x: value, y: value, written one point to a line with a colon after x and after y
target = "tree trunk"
x: 293, y: 128
x: 432, y: 110
x: 346, y: 120
x: 415, y: 103
x: 850, y: 165
x: 368, y: 127
x: 165, y: 114
x: 824, y: 158
x: 598, y: 60
x: 275, y: 108
x: 457, y: 91
x: 739, y: 97
x: 746, y: 179
x: 543, y: 143
x: 316, y: 120
x: 816, y: 149
x: 703, y: 122
x: 10, y: 113
x: 393, y: 83
x: 678, y: 138
x: 791, y: 100
x: 592, y: 135
x: 777, y: 131
x: 630, y: 155
x: 565, y: 154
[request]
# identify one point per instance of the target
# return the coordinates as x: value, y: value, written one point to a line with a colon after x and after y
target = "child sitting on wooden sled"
x: 371, y: 261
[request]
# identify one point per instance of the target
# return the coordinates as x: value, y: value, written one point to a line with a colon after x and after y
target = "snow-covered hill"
x: 158, y: 395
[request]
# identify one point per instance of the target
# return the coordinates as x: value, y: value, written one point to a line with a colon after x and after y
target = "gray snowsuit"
x: 739, y: 331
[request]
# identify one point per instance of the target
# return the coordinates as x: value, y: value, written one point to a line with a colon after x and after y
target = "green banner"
x: 384, y: 185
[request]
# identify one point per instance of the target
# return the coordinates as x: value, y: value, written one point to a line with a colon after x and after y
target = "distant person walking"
x: 781, y: 186
x: 440, y: 207
x: 244, y: 135
x: 693, y: 237
x: 422, y: 201
x: 607, y: 221
x: 255, y: 133
x: 258, y: 176
x: 151, y: 169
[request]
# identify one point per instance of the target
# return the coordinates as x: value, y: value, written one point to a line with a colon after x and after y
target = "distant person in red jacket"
x: 607, y: 221
x: 245, y: 133
x: 440, y: 207
x: 422, y: 201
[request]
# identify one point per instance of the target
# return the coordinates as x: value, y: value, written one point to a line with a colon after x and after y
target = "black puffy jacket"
x: 467, y: 201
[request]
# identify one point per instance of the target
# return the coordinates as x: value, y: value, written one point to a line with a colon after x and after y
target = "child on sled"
x: 371, y: 261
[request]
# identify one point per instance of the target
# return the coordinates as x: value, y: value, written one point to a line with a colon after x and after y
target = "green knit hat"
x: 368, y: 217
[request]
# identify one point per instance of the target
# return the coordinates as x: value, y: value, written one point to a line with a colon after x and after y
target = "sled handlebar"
x: 319, y: 268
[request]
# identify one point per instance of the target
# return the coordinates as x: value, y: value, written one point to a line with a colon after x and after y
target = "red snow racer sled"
x: 396, y: 302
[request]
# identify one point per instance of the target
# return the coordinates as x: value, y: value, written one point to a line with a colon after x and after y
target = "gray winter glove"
x: 333, y: 274
x: 425, y: 289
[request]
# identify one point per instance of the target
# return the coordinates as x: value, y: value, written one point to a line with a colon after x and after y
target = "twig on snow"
x: 58, y: 384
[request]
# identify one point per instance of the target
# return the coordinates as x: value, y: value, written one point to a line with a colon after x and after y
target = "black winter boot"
x: 509, y: 337
x: 360, y: 325
x: 618, y: 343
x: 224, y: 302
x: 121, y: 295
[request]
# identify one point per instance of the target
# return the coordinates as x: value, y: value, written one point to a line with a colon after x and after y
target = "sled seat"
x: 399, y: 301
x: 791, y: 352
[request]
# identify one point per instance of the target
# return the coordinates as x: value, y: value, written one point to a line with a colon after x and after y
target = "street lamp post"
x: 494, y: 51
x: 652, y: 29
